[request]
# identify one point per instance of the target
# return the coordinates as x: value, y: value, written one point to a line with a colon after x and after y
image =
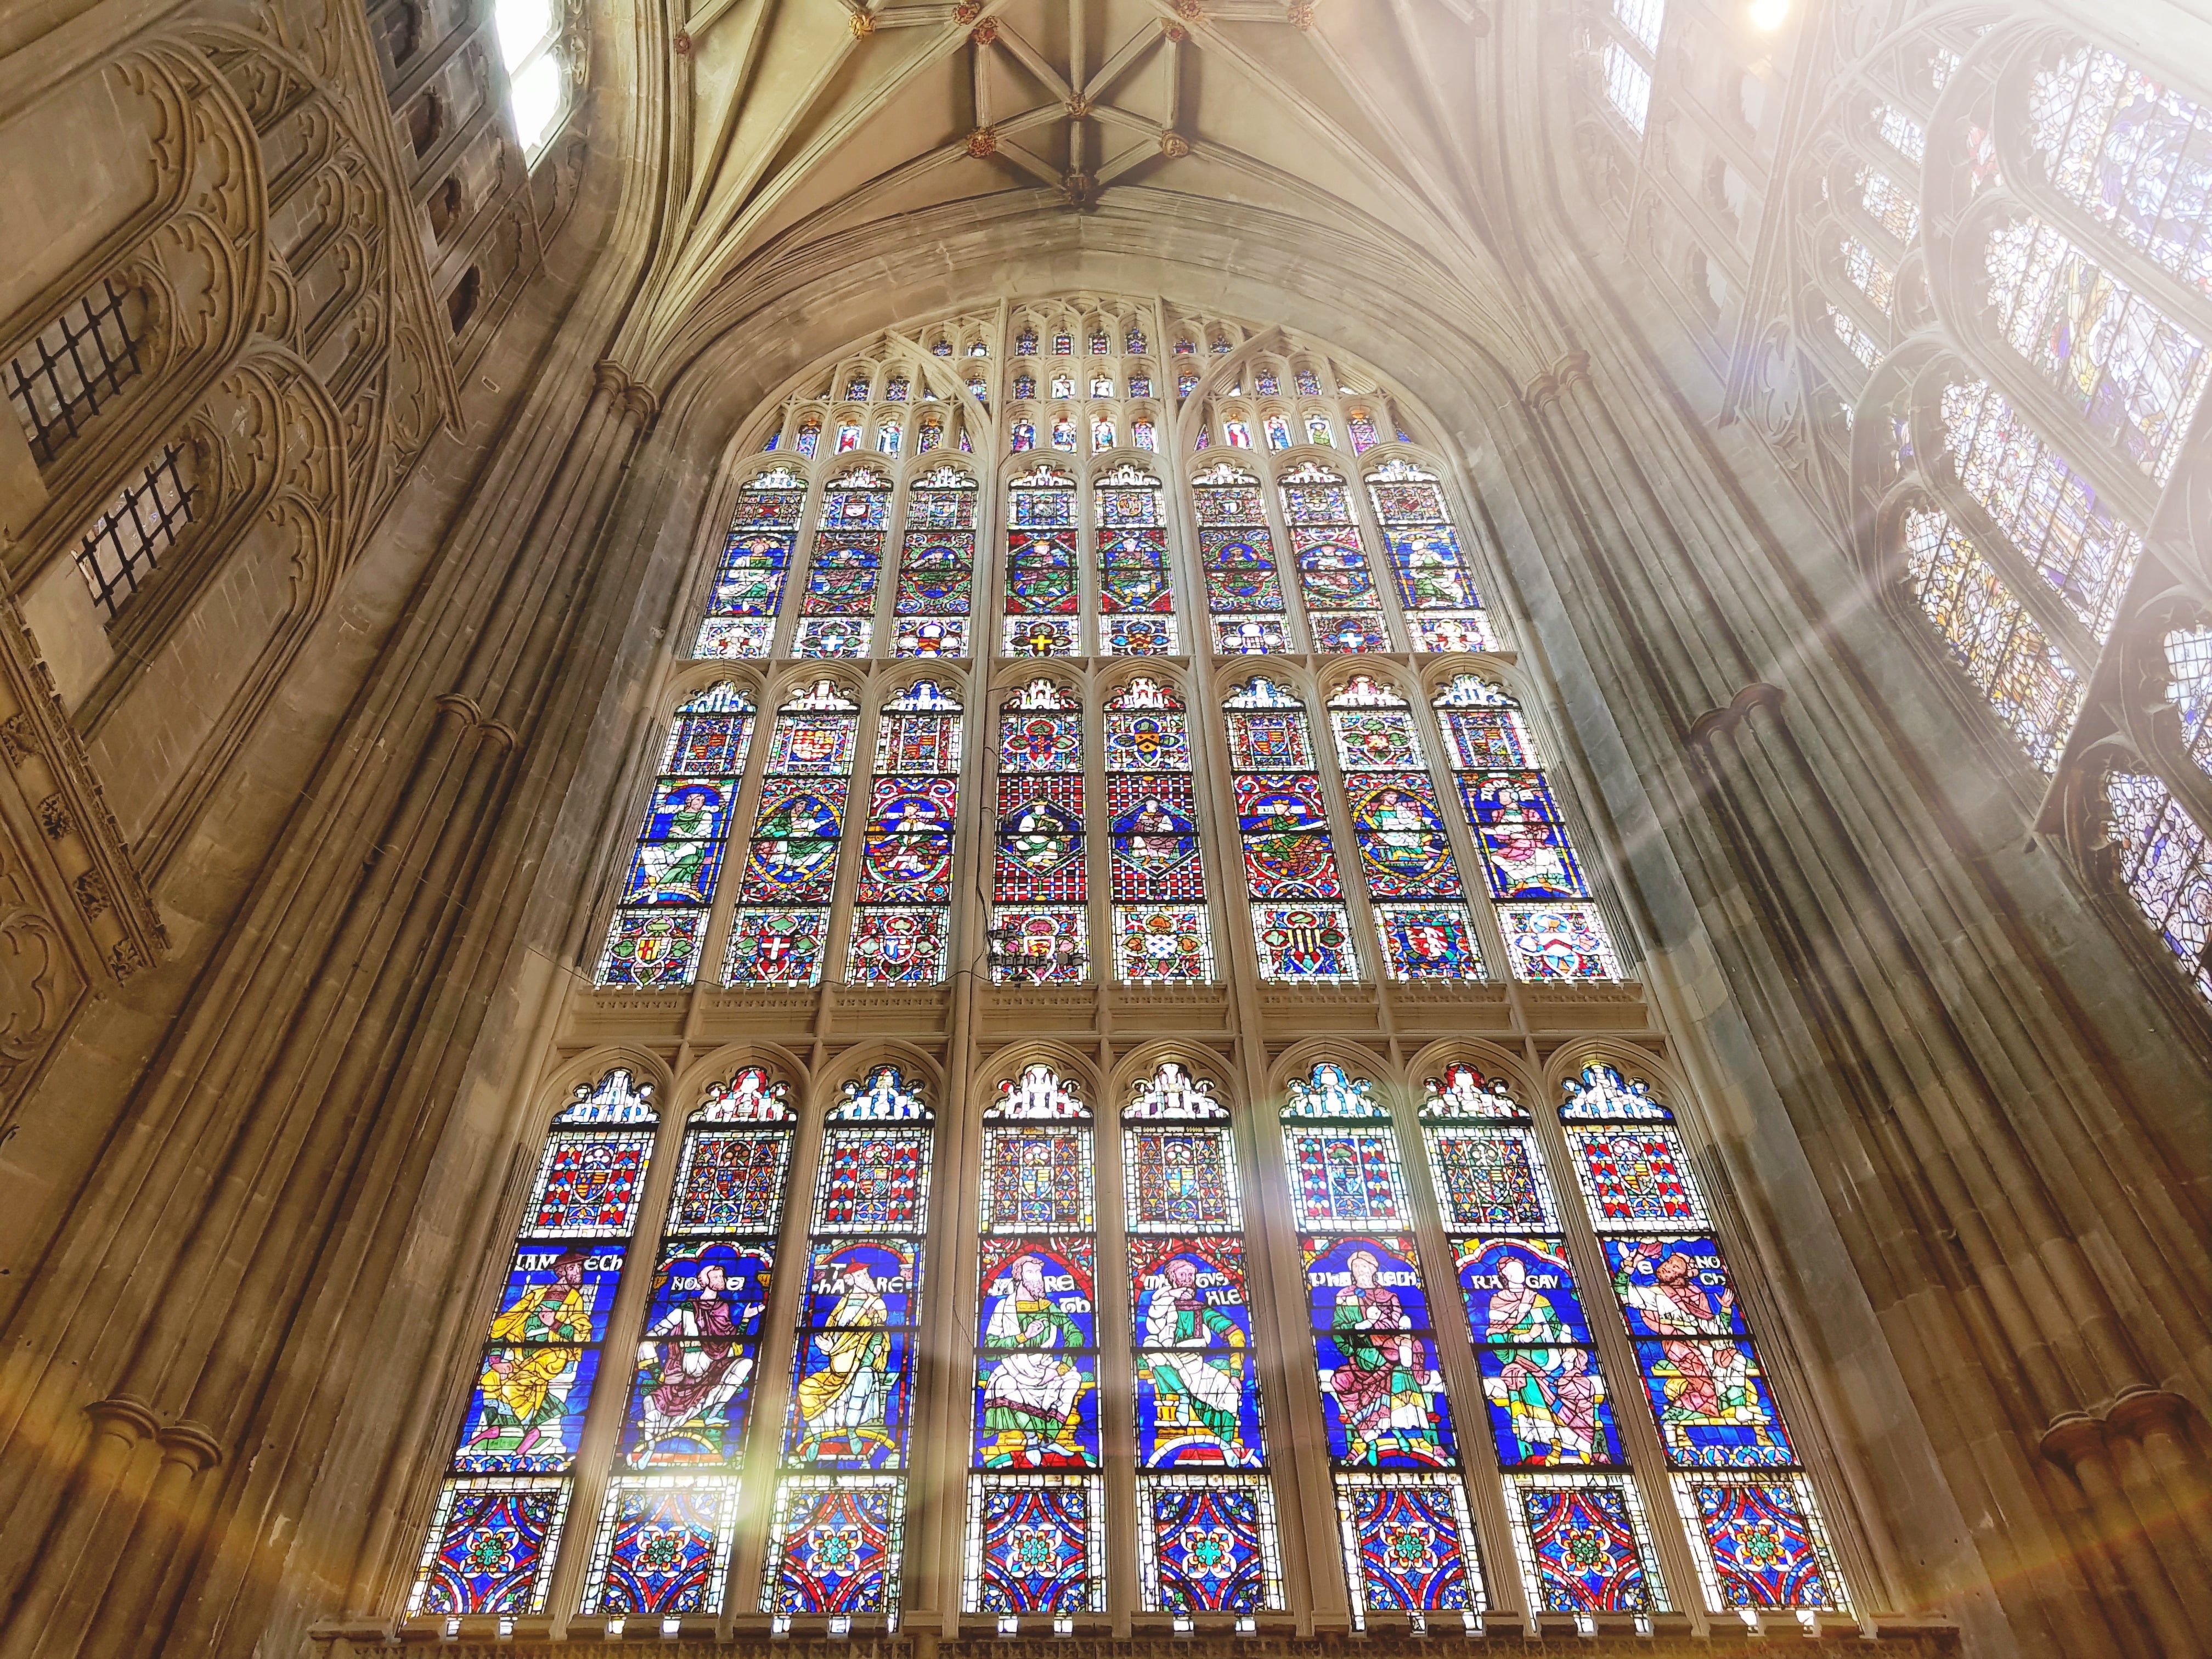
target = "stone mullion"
x: 851, y: 838
x: 804, y: 535
x: 1397, y: 626
x: 1359, y: 908
x: 1996, y: 1307
x: 721, y: 915
x: 1117, y: 1384
x: 956, y: 1230
x: 1276, y: 523
x: 1097, y: 845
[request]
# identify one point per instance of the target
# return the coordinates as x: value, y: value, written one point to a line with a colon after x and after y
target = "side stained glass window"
x: 1243, y: 588
x: 1336, y: 583
x: 1040, y: 893
x: 902, y: 903
x: 748, y: 589
x: 1413, y: 884
x: 791, y: 859
x: 1298, y: 917
x: 836, y: 617
x: 1036, y: 1523
x: 663, y: 1545
x: 1577, y: 1521
x: 678, y: 858
x: 1553, y: 928
x: 1745, y: 1499
x: 1043, y: 598
x: 2165, y: 861
x: 1206, y: 1506
x: 837, y: 1525
x: 1435, y: 583
x: 1136, y: 602
x: 936, y: 567
x: 1162, y: 931
x: 1408, y: 1539
x: 496, y: 1529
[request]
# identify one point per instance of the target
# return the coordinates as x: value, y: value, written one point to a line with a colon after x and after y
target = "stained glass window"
x: 1888, y: 204
x: 496, y: 1529
x: 2136, y: 375
x: 670, y: 1511
x: 1317, y: 428
x: 1578, y: 1520
x: 782, y: 922
x: 1413, y: 885
x: 901, y: 915
x: 1745, y: 1500
x: 837, y: 1525
x: 937, y: 566
x: 1409, y: 1540
x: 1206, y: 1524
x: 748, y: 591
x: 1336, y: 584
x: 1040, y: 917
x: 1627, y: 84
x: 1642, y: 19
x: 1244, y: 589
x: 809, y: 435
x: 676, y: 860
x: 2164, y: 858
x: 1136, y: 601
x: 1435, y: 582
x: 2049, y: 512
x: 1900, y: 132
x: 2133, y: 152
x: 1043, y: 601
x: 887, y: 437
x: 836, y: 615
x: 1298, y: 918
x: 1869, y: 274
x: 2030, y: 684
x: 848, y: 434
x: 1364, y: 437
x: 1553, y: 928
x: 931, y: 433
x: 1035, y: 1500
x: 1857, y: 341
x: 1162, y: 930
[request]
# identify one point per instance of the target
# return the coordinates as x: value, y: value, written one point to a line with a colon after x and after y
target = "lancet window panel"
x: 1407, y: 1535
x: 495, y: 1532
x: 1136, y: 596
x: 837, y: 613
x: 1207, y: 1527
x: 1335, y: 578
x: 1299, y: 921
x: 936, y: 567
x: 756, y: 562
x: 1035, y: 1495
x: 1040, y: 880
x: 780, y: 933
x: 1163, y: 925
x: 1739, y: 1481
x: 902, y: 917
x: 675, y: 863
x: 1578, y: 1520
x: 1553, y: 928
x: 1429, y: 567
x: 837, y: 1524
x: 1043, y: 588
x: 670, y: 1516
x: 1236, y: 551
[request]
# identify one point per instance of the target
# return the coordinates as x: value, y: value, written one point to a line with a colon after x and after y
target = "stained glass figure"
x: 791, y: 863
x: 2029, y: 683
x: 748, y: 591
x: 1043, y: 600
x: 1133, y: 565
x: 1383, y: 1395
x: 1236, y: 433
x: 930, y: 434
x: 1144, y: 435
x: 1163, y: 932
x: 1038, y: 883
x: 937, y: 566
x: 809, y: 435
x: 677, y: 860
x: 1318, y: 430
x: 1243, y: 590
x: 1583, y: 1544
x: 1364, y: 437
x: 1289, y: 856
x: 1435, y: 583
x: 1034, y: 1540
x: 1700, y: 1367
x: 492, y: 1541
x: 1344, y: 609
x: 2135, y: 374
x: 887, y: 437
x: 1405, y: 852
x: 2132, y: 151
x: 835, y: 1527
x: 848, y: 436
x: 902, y: 903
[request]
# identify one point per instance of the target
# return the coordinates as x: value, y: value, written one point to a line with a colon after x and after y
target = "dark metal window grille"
x: 79, y: 361
x: 128, y: 539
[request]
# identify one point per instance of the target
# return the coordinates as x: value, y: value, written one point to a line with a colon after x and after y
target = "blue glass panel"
x: 1037, y: 1410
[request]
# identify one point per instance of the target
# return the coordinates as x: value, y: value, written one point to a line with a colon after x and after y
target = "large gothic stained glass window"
x: 496, y: 1530
x: 902, y: 903
x: 670, y: 1511
x: 662, y: 916
x: 1206, y: 1527
x: 1162, y: 932
x: 1040, y: 889
x: 1036, y: 1506
x: 1298, y: 918
x: 1136, y: 600
x: 748, y: 591
x: 1408, y: 1537
x: 837, y: 1525
x: 782, y: 924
